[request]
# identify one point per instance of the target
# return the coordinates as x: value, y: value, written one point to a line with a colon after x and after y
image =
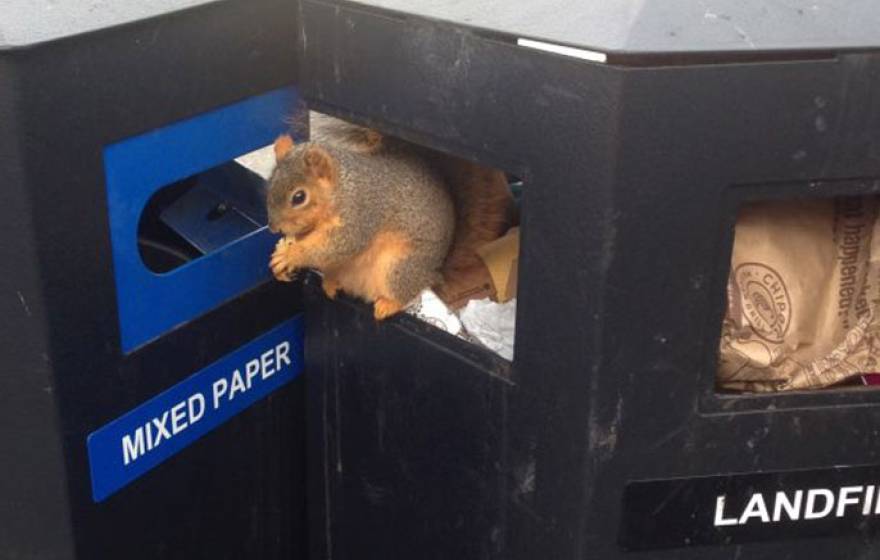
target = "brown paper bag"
x: 803, y: 293
x: 472, y: 283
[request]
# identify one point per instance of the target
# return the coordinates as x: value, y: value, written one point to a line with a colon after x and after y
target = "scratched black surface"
x: 239, y: 491
x: 409, y: 438
x: 632, y: 180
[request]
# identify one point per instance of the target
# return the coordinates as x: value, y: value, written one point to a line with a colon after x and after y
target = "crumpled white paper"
x: 482, y: 321
x: 493, y: 324
x: 430, y: 308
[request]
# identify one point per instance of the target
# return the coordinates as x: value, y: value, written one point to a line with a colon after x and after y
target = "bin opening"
x: 477, y: 299
x: 485, y: 311
x: 803, y: 296
x: 205, y: 212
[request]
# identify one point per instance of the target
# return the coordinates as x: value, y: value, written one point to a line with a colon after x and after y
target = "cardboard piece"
x: 501, y: 258
x: 495, y: 277
x: 469, y: 284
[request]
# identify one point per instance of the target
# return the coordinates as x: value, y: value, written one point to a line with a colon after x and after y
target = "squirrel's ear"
x: 283, y: 145
x: 319, y: 163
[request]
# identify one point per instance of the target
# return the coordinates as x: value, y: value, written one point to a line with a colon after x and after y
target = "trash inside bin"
x: 803, y: 295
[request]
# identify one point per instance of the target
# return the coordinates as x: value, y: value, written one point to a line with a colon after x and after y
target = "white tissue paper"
x: 493, y: 324
x: 431, y: 309
x: 481, y: 321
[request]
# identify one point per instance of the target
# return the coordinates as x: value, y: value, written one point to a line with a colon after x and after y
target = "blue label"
x: 138, y: 441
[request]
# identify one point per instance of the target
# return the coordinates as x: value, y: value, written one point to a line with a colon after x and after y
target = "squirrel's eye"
x: 298, y: 198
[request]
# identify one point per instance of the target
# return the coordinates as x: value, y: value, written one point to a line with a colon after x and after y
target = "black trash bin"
x: 638, y: 129
x: 150, y: 402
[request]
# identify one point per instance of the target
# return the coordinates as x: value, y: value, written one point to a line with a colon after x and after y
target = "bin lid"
x: 28, y: 22
x: 666, y: 26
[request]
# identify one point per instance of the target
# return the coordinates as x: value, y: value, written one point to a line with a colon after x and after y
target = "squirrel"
x: 382, y: 219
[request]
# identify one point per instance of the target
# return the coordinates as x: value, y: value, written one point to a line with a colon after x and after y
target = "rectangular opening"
x: 205, y: 212
x: 476, y: 300
x: 803, y: 297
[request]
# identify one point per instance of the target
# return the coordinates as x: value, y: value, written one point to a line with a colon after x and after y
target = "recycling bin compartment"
x: 147, y: 413
x: 638, y: 135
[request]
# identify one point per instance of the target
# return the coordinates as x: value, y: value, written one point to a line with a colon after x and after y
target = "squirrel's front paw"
x: 280, y: 265
x: 282, y: 274
x: 331, y: 287
x: 385, y: 307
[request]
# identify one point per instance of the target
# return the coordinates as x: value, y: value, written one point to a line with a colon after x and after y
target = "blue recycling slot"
x: 234, y: 238
x: 225, y: 204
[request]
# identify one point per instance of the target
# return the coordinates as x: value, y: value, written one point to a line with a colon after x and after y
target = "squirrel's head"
x: 300, y: 188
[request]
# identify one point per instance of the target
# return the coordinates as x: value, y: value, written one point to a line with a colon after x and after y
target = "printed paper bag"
x: 802, y: 295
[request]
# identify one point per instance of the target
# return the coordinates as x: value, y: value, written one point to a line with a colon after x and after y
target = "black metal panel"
x: 415, y: 437
x: 238, y: 492
x: 32, y: 460
x: 632, y: 179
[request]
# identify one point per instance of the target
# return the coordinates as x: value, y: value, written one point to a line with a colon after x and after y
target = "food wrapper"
x: 802, y: 295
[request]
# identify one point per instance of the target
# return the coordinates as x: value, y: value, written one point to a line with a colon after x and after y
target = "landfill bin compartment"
x: 635, y: 170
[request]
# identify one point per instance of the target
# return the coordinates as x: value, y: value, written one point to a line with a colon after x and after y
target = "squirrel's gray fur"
x: 391, y: 188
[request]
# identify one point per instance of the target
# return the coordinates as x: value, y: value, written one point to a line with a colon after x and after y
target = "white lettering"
x: 282, y: 352
x: 266, y: 363
x: 193, y: 415
x: 811, y: 512
x: 869, y: 500
x: 251, y: 369
x: 219, y: 389
x: 178, y: 415
x: 846, y: 500
x: 237, y: 384
x: 161, y: 431
x: 187, y: 412
x: 793, y: 510
x: 756, y: 508
x: 808, y: 504
x: 131, y: 450
x: 148, y: 430
x: 720, y: 520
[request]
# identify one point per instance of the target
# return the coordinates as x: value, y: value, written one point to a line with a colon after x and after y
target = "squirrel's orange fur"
x: 367, y: 273
x: 375, y: 214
